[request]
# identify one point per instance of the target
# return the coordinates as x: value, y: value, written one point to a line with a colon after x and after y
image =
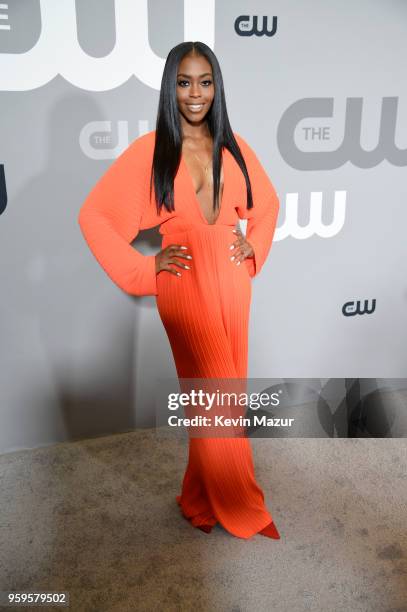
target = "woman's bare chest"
x: 199, y: 166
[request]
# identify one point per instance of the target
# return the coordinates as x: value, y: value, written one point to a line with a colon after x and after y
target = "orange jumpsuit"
x: 205, y: 311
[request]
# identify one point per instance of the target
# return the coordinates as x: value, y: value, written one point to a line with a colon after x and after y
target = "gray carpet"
x: 98, y: 518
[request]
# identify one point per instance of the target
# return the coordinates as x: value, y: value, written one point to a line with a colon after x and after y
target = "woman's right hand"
x: 166, y: 256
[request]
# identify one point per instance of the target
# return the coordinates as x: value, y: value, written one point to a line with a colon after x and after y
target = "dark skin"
x: 195, y: 86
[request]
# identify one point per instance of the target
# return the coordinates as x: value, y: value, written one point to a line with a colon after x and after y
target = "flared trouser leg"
x: 219, y: 483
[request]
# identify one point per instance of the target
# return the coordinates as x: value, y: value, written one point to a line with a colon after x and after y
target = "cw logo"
x: 242, y: 26
x: 93, y: 131
x: 315, y: 225
x: 57, y: 50
x: 350, y: 149
x: 350, y: 309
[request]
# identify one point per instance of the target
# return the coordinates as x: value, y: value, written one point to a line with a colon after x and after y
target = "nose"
x: 194, y: 91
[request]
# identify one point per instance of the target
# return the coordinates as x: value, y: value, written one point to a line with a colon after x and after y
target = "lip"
x: 196, y: 110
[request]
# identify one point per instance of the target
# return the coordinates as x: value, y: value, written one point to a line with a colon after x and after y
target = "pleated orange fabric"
x: 205, y: 311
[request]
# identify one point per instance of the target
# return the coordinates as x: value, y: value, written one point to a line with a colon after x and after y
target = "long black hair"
x: 168, y: 137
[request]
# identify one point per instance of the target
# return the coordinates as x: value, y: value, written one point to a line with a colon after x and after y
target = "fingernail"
x: 232, y: 258
x: 232, y: 246
x: 238, y: 263
x: 234, y: 231
x: 189, y: 256
x: 187, y: 267
x: 179, y: 273
x: 183, y: 247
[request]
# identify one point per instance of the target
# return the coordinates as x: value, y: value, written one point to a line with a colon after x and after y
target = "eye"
x: 206, y: 83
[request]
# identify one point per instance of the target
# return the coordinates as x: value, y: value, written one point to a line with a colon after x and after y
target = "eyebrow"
x: 189, y: 76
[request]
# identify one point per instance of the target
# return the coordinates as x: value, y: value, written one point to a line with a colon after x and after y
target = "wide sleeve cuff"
x: 260, y: 231
x: 130, y: 270
x: 142, y: 280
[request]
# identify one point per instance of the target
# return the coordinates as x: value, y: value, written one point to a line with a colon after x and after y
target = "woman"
x: 194, y: 178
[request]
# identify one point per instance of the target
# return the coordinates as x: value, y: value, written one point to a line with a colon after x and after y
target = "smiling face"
x: 195, y: 88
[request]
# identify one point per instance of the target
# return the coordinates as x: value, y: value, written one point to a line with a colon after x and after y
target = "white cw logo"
x: 315, y: 226
x: 57, y: 50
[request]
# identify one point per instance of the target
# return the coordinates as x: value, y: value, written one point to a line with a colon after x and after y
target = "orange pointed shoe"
x: 205, y: 528
x: 270, y: 531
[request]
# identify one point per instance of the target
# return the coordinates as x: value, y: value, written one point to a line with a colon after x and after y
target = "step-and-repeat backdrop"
x: 320, y: 94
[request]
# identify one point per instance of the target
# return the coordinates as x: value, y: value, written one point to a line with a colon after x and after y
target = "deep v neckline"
x: 195, y: 197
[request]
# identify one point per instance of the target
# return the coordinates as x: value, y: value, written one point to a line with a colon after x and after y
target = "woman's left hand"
x: 241, y: 248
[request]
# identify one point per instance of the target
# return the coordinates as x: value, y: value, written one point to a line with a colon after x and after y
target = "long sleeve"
x: 112, y: 215
x: 262, y: 218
